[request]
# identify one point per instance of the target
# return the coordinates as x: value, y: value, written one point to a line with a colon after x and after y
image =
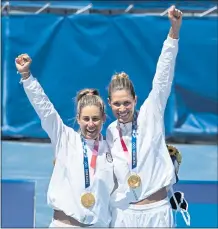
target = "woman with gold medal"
x: 82, y: 178
x: 142, y: 164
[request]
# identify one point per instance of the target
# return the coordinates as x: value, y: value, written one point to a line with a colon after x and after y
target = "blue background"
x: 78, y: 51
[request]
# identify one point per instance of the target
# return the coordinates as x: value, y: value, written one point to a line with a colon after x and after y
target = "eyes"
x: 118, y: 104
x: 93, y: 119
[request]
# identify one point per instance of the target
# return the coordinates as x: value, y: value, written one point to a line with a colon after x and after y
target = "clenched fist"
x: 22, y: 63
x: 175, y: 17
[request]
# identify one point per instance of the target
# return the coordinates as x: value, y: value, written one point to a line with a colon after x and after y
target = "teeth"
x: 91, y: 131
x: 123, y: 115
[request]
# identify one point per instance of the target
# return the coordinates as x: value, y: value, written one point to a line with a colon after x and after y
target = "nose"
x: 90, y: 123
x: 122, y: 108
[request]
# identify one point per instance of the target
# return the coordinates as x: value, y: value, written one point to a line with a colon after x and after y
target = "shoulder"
x: 111, y: 133
x: 72, y: 133
x: 113, y: 124
x: 112, y: 127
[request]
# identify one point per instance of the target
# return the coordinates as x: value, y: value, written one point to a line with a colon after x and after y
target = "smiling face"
x: 122, y: 97
x: 122, y: 104
x: 90, y: 121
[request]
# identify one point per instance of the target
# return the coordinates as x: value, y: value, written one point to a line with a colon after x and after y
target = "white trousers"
x: 57, y: 223
x: 158, y: 214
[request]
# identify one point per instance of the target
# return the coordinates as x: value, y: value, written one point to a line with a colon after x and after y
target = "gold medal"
x: 134, y: 181
x: 87, y: 200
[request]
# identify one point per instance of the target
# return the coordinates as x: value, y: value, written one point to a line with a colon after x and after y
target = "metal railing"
x: 189, y: 8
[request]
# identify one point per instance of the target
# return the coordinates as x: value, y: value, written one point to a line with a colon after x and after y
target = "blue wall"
x: 73, y: 52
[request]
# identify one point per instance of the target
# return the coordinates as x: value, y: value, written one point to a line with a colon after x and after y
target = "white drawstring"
x: 187, y: 220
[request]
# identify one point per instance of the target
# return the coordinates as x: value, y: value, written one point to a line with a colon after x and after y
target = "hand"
x: 22, y: 63
x: 175, y: 17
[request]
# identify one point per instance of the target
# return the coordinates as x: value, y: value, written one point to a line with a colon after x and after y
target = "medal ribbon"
x: 94, y: 156
x: 86, y: 161
x: 134, y: 141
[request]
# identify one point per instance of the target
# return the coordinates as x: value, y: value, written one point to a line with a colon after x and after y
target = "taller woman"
x: 143, y: 167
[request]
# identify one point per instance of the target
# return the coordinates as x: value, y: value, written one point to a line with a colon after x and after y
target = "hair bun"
x: 87, y: 91
x: 121, y: 75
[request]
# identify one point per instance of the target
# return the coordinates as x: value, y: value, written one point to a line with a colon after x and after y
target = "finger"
x: 26, y: 65
x: 177, y: 13
x: 29, y: 59
x: 21, y: 61
x: 180, y: 14
x: 25, y: 55
x: 171, y: 15
x: 26, y: 59
x: 17, y: 61
x: 171, y: 10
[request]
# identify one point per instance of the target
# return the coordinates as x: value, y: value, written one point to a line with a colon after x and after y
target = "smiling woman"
x: 90, y: 113
x: 122, y: 98
x: 82, y: 179
x: 142, y: 164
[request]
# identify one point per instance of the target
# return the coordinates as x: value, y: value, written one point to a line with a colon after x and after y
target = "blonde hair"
x: 121, y: 81
x: 89, y: 97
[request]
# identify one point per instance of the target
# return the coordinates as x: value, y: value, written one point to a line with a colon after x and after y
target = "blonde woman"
x: 143, y: 167
x: 82, y: 179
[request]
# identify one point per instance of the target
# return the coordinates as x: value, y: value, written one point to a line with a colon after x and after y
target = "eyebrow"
x: 118, y: 101
x: 91, y: 116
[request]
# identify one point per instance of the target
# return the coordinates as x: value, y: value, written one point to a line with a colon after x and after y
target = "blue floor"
x: 33, y: 161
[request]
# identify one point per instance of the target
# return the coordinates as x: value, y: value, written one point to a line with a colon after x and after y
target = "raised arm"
x: 50, y: 119
x: 164, y: 75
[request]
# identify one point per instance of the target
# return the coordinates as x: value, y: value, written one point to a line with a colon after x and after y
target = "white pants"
x: 57, y: 223
x: 158, y: 214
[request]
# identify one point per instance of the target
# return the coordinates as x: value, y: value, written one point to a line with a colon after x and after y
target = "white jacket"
x: 67, y: 181
x: 154, y: 164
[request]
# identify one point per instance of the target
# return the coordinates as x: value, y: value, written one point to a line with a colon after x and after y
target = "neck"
x: 96, y: 138
x: 126, y: 121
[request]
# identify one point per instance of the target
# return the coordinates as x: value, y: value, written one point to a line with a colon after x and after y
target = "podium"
x: 17, y: 203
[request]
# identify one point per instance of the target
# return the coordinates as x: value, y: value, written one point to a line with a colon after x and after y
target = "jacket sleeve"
x: 50, y: 119
x: 162, y: 82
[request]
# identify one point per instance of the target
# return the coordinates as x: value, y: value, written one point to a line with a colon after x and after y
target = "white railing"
x: 130, y: 9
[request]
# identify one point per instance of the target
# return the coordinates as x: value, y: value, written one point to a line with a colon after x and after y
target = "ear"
x: 77, y: 118
x: 104, y: 118
x: 109, y: 102
x: 136, y: 99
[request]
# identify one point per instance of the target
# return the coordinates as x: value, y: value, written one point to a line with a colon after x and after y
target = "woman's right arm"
x: 50, y: 119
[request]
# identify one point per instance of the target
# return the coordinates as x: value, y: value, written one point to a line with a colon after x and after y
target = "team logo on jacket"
x: 109, y: 157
